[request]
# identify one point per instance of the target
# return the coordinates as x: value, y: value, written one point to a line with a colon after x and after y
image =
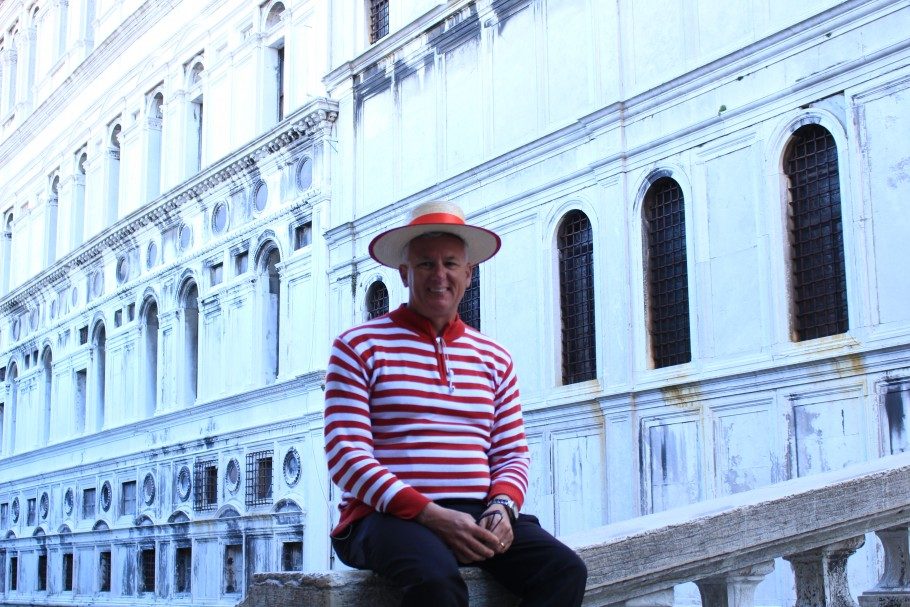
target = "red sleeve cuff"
x: 507, y: 489
x: 407, y: 503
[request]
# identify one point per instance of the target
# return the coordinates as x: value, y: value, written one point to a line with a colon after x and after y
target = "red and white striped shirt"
x: 411, y: 417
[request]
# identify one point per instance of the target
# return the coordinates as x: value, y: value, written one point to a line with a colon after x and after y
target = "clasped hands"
x: 470, y: 540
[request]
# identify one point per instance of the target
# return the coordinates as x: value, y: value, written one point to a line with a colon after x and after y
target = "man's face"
x: 436, y: 274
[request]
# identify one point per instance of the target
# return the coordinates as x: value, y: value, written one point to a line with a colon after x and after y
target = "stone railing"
x: 726, y: 546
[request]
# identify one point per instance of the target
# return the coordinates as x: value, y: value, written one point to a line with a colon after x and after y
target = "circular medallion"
x: 16, y: 510
x: 68, y: 501
x: 183, y: 484
x: 97, y: 284
x: 291, y: 467
x: 106, y: 496
x: 148, y: 489
x: 261, y: 196
x: 33, y: 320
x: 184, y: 237
x: 74, y: 296
x: 304, y: 174
x: 123, y: 269
x: 44, y: 506
x: 219, y: 218
x: 54, y: 309
x: 151, y: 255
x: 232, y: 476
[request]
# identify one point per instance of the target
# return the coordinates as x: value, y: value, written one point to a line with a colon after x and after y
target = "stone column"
x: 893, y: 588
x: 821, y: 574
x: 734, y: 588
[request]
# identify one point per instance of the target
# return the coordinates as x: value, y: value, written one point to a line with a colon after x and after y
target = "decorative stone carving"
x: 15, y: 510
x: 821, y: 574
x: 44, y: 506
x: 184, y: 483
x: 291, y: 467
x: 106, y: 495
x: 148, y: 489
x: 232, y: 476
x: 68, y: 501
x: 735, y: 588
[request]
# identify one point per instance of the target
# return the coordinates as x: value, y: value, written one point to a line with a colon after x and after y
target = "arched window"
x: 13, y: 379
x: 190, y: 305
x: 377, y: 300
x: 154, y: 125
x: 47, y: 367
x: 99, y: 343
x: 575, y: 244
x: 667, y: 273
x: 77, y: 215
x: 150, y: 357
x: 113, y: 175
x: 195, y: 123
x: 6, y: 252
x: 51, y: 220
x: 819, y: 282
x: 271, y: 309
x: 469, y: 308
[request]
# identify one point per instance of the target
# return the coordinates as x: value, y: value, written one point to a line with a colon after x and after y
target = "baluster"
x: 734, y: 588
x: 821, y: 574
x: 893, y: 588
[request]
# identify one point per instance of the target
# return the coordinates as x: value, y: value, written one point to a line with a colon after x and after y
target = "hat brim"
x: 388, y: 247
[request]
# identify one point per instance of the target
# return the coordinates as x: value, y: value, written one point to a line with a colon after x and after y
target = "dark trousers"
x: 537, y: 567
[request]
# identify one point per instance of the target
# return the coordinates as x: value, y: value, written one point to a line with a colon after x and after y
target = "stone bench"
x: 726, y: 546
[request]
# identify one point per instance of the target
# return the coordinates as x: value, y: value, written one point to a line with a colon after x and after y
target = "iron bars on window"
x: 575, y: 244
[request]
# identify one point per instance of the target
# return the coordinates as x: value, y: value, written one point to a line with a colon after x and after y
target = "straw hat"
x: 436, y: 216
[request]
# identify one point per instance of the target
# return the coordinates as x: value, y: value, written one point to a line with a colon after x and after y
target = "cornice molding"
x: 312, y: 121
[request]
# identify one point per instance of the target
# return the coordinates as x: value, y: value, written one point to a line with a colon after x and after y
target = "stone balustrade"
x: 726, y: 546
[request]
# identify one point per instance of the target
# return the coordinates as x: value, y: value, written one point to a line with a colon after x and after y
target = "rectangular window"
x: 292, y: 556
x: 68, y: 572
x: 104, y: 571
x: 42, y: 572
x: 259, y: 478
x: 83, y: 335
x: 303, y: 235
x: 216, y: 273
x: 88, y: 503
x: 79, y: 400
x: 4, y: 516
x: 128, y: 498
x: 241, y: 263
x: 233, y: 569
x: 205, y: 486
x: 118, y: 318
x: 379, y: 19
x: 14, y: 573
x: 147, y: 570
x: 30, y: 520
x: 183, y: 572
x: 279, y: 68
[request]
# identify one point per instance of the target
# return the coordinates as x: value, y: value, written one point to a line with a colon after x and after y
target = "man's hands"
x: 471, y: 542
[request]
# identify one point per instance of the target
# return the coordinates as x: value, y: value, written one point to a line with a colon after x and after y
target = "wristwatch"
x: 511, y: 506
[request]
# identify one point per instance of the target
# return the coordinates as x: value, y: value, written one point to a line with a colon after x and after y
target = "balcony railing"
x: 726, y: 546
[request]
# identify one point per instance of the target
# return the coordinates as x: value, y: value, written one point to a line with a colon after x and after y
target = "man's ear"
x: 403, y: 272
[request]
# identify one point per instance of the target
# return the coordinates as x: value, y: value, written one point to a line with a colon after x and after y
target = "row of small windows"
x: 818, y: 278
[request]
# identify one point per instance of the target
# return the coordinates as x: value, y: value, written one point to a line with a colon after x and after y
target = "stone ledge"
x: 356, y: 588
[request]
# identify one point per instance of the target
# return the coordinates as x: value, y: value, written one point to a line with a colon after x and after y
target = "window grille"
x: 377, y: 300
x: 259, y: 478
x: 147, y: 570
x: 183, y: 573
x: 816, y: 234
x: 42, y: 572
x: 292, y: 556
x: 68, y: 572
x: 14, y: 573
x: 104, y: 572
x: 668, y: 274
x: 205, y: 486
x: 575, y: 244
x: 4, y: 515
x: 469, y: 308
x: 379, y: 19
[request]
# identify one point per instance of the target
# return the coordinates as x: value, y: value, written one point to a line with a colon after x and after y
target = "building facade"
x: 701, y: 279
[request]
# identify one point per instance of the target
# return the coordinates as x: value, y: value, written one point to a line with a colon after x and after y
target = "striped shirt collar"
x: 406, y: 317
